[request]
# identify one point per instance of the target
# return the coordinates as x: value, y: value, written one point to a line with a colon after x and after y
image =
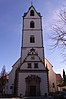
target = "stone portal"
x: 33, y: 85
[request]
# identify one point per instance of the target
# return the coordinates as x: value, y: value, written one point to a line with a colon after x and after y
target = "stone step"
x: 41, y: 97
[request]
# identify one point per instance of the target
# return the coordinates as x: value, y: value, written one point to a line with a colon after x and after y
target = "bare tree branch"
x: 59, y: 33
x: 58, y: 37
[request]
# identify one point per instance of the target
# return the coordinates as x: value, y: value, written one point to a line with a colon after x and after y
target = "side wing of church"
x: 29, y: 76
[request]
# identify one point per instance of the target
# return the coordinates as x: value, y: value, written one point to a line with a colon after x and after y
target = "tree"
x: 3, y: 72
x: 58, y: 36
x: 63, y: 75
x: 3, y: 79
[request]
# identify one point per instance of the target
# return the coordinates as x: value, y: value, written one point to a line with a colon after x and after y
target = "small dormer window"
x: 32, y: 24
x: 31, y: 13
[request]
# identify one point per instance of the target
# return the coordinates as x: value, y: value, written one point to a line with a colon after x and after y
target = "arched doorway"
x: 33, y: 85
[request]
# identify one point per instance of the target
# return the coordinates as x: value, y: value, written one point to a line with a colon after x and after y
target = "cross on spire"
x: 31, y: 3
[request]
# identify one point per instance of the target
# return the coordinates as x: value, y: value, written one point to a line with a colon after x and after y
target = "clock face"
x: 32, y: 57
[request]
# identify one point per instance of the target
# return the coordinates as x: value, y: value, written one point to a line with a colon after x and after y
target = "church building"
x: 29, y: 76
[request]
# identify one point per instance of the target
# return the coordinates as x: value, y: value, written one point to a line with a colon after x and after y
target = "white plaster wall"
x: 26, y: 38
x: 36, y: 31
x: 6, y: 88
x: 22, y: 84
x: 25, y: 66
x: 29, y: 58
x: 25, y: 51
x: 12, y: 76
x: 37, y: 23
x: 52, y: 76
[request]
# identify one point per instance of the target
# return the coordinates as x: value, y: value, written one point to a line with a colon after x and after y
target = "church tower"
x: 32, y: 79
x: 32, y: 36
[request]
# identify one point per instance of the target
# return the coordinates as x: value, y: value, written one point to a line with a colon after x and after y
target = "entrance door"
x: 32, y: 90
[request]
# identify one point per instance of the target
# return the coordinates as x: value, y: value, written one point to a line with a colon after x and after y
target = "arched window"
x: 32, y: 39
x: 31, y: 13
x: 32, y: 25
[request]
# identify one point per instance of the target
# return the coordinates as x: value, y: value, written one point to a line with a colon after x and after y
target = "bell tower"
x: 32, y: 74
x: 32, y: 36
x: 29, y: 76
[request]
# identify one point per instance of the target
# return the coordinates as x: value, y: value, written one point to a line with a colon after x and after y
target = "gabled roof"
x: 34, y: 9
x: 32, y: 52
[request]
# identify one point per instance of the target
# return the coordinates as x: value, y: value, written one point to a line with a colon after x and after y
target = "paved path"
x: 28, y: 98
x: 42, y: 97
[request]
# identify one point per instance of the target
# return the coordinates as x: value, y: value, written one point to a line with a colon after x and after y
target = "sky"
x: 11, y: 12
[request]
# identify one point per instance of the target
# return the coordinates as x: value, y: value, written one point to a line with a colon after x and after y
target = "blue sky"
x: 11, y: 12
